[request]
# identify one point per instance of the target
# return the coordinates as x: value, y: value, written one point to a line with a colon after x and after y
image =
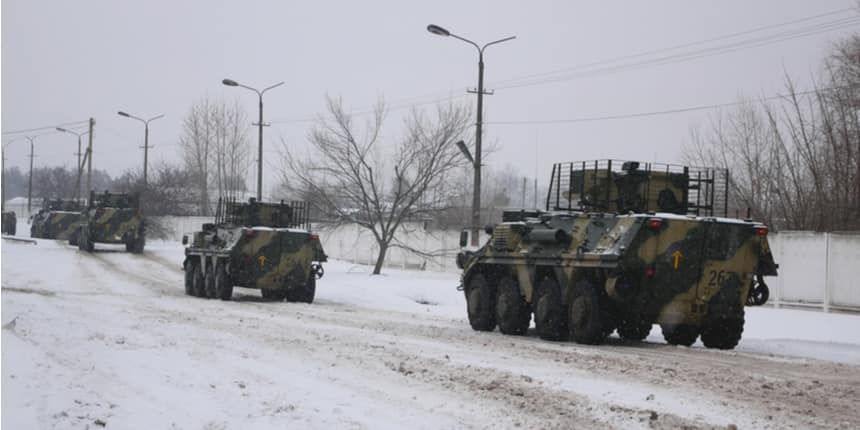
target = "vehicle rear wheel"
x: 723, y: 333
x: 209, y: 282
x: 135, y: 246
x: 190, y: 267
x: 305, y: 292
x: 512, y: 311
x: 223, y: 283
x: 84, y: 242
x: 481, y: 304
x: 550, y: 318
x: 634, y: 327
x: 273, y: 294
x: 680, y: 334
x: 585, y: 315
x: 198, y: 280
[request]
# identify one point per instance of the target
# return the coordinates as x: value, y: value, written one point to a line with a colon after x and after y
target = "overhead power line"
x: 47, y: 127
x: 660, y: 112
x: 675, y: 47
x: 590, y: 71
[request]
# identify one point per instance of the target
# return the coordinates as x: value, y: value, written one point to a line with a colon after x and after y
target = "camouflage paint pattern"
x: 114, y: 225
x: 55, y: 224
x: 691, y: 260
x: 267, y: 256
x: 636, y: 191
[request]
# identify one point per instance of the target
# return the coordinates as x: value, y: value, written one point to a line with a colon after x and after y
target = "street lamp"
x: 145, y: 141
x: 80, y: 166
x: 232, y: 83
x: 476, y: 198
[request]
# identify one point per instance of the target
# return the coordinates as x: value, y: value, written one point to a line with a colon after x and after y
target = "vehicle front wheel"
x: 512, y: 311
x: 680, y: 334
x: 190, y: 267
x: 198, y: 280
x: 481, y: 304
x: 223, y: 283
x: 550, y: 318
x: 585, y: 314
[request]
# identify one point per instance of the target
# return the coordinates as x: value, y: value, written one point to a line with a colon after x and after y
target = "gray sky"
x: 65, y: 61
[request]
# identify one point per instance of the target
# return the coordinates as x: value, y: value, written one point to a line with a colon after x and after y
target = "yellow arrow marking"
x: 677, y: 255
x: 262, y: 259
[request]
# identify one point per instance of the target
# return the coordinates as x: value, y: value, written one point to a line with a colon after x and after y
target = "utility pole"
x: 89, y: 158
x: 476, y: 195
x: 30, y: 185
x: 232, y: 83
x: 145, y: 143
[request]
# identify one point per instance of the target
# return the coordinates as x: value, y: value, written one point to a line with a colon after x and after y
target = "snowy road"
x: 110, y: 340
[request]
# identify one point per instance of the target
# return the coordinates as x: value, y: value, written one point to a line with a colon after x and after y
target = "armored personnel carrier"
x: 114, y: 218
x: 266, y: 246
x: 10, y: 223
x: 621, y: 245
x: 58, y: 219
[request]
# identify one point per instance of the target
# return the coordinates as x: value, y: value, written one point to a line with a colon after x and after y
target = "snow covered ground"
x: 109, y: 340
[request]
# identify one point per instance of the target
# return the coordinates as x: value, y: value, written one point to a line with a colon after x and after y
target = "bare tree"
x: 354, y: 177
x: 795, y: 161
x: 215, y: 137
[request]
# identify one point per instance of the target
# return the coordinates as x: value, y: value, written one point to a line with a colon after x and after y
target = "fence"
x: 816, y: 269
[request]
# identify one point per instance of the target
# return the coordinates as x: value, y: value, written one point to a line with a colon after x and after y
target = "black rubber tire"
x: 73, y: 239
x: 198, y: 281
x: 549, y: 311
x: 135, y: 246
x: 512, y: 312
x: 189, y: 277
x: 481, y: 304
x: 84, y: 243
x: 304, y: 293
x: 680, y: 334
x: 585, y: 315
x: 274, y: 295
x: 634, y: 328
x: 223, y: 283
x: 209, y: 282
x: 723, y: 333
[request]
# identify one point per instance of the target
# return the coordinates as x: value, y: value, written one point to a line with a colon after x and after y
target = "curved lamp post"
x: 145, y: 141
x: 476, y: 198
x: 232, y: 83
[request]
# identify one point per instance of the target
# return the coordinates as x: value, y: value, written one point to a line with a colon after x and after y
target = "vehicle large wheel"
x: 304, y: 293
x: 190, y: 267
x: 73, y: 239
x: 481, y: 304
x: 209, y: 282
x: 680, y: 334
x: 550, y: 318
x: 135, y: 245
x: 223, y: 283
x: 724, y: 332
x: 512, y: 311
x: 198, y: 280
x: 84, y: 242
x: 634, y: 327
x: 274, y: 294
x: 585, y: 315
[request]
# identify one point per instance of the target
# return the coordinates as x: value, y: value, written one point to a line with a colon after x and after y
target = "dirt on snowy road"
x: 109, y: 340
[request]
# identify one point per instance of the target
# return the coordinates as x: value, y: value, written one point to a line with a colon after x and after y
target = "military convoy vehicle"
x: 9, y: 222
x: 265, y: 246
x: 621, y: 245
x: 58, y: 219
x: 114, y: 218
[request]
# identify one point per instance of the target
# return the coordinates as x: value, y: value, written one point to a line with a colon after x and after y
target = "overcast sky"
x: 66, y: 61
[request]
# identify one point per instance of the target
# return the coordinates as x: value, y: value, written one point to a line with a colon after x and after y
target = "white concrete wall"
x: 815, y: 269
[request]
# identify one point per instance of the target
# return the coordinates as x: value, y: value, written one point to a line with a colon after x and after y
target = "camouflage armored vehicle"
x: 114, y: 218
x: 58, y: 219
x: 9, y: 222
x: 621, y: 246
x: 265, y: 246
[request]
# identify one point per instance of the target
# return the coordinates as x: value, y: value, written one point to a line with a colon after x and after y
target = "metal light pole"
x: 145, y: 142
x: 80, y: 166
x: 476, y: 198
x: 30, y: 182
x: 232, y: 83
